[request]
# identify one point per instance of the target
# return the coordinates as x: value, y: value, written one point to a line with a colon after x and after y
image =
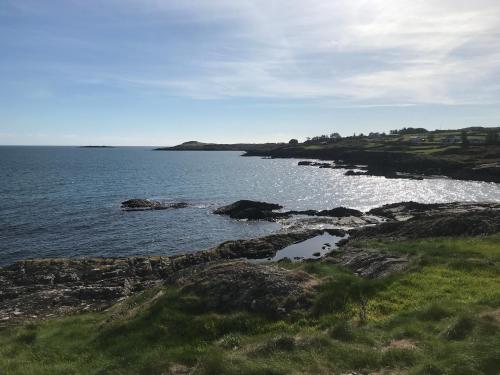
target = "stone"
x: 251, y: 210
x: 239, y: 285
x: 150, y: 204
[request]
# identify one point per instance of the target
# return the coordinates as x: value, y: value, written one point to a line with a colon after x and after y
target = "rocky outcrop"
x: 38, y: 289
x: 469, y: 223
x: 239, y: 285
x: 251, y: 210
x: 150, y: 204
x: 35, y: 289
x: 406, y: 210
x: 340, y: 212
x: 367, y: 263
x: 387, y: 163
x: 266, y: 247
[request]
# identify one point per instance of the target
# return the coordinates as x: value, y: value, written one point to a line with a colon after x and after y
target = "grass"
x: 440, y: 317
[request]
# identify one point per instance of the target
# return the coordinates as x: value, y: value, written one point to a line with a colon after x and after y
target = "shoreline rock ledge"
x: 150, y: 204
x: 252, y: 210
x: 44, y: 288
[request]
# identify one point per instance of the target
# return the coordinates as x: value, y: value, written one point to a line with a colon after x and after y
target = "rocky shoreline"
x: 391, y: 164
x: 46, y: 288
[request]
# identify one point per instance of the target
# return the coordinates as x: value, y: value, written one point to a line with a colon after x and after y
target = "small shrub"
x: 433, y: 312
x: 342, y: 330
x: 283, y: 343
x: 428, y: 369
x: 27, y: 337
x: 213, y: 363
x: 230, y: 341
x: 399, y: 357
x: 459, y: 329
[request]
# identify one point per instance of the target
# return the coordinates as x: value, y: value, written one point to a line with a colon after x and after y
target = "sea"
x: 65, y: 201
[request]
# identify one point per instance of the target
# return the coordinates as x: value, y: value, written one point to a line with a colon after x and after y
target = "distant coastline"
x: 465, y: 154
x: 200, y: 146
x: 96, y: 146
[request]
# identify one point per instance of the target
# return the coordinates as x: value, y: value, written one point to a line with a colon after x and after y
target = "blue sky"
x: 159, y: 72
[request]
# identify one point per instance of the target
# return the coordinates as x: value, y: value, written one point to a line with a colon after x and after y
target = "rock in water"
x: 150, y: 204
x: 340, y: 212
x: 471, y: 223
x: 251, y: 210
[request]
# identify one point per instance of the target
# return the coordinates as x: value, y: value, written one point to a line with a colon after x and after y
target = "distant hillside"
x: 200, y: 146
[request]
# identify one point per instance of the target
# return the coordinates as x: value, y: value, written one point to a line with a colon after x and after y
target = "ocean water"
x: 65, y: 201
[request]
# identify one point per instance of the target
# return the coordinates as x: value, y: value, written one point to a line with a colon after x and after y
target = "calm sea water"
x: 65, y: 201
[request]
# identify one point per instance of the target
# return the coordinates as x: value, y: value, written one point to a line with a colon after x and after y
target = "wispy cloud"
x: 392, y: 51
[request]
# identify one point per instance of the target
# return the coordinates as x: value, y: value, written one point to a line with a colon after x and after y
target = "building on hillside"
x: 417, y: 140
x: 452, y: 139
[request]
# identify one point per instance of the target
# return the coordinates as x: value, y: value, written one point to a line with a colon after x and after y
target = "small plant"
x: 460, y: 328
x: 281, y: 343
x: 339, y: 294
x: 342, y: 330
x: 433, y: 312
x: 230, y: 341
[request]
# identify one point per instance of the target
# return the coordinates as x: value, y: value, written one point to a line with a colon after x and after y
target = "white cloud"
x: 390, y: 51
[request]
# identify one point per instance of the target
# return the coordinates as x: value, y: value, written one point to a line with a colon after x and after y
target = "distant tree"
x: 410, y: 130
x: 465, y: 140
x: 293, y: 141
x: 492, y: 137
x: 335, y: 136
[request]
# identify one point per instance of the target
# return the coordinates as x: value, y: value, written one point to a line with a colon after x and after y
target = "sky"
x: 161, y: 72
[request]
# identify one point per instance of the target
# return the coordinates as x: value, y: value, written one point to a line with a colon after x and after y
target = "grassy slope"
x: 472, y: 155
x: 440, y: 317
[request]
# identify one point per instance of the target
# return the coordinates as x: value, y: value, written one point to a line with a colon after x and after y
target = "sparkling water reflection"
x: 64, y: 201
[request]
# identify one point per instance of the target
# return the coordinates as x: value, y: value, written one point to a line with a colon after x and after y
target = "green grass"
x: 440, y: 317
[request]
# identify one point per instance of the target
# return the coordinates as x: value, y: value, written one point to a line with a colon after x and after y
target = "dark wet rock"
x: 251, y: 210
x: 469, y: 223
x: 368, y: 263
x: 355, y: 173
x: 337, y: 165
x: 348, y: 166
x: 406, y: 210
x: 150, y: 204
x: 266, y: 247
x: 239, y: 285
x: 340, y: 212
x: 316, y: 164
x: 334, y: 212
x: 39, y: 289
x: 316, y: 254
x: 384, y: 173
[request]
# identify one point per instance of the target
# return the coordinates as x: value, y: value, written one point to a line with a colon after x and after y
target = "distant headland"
x: 200, y: 146
x: 467, y: 154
